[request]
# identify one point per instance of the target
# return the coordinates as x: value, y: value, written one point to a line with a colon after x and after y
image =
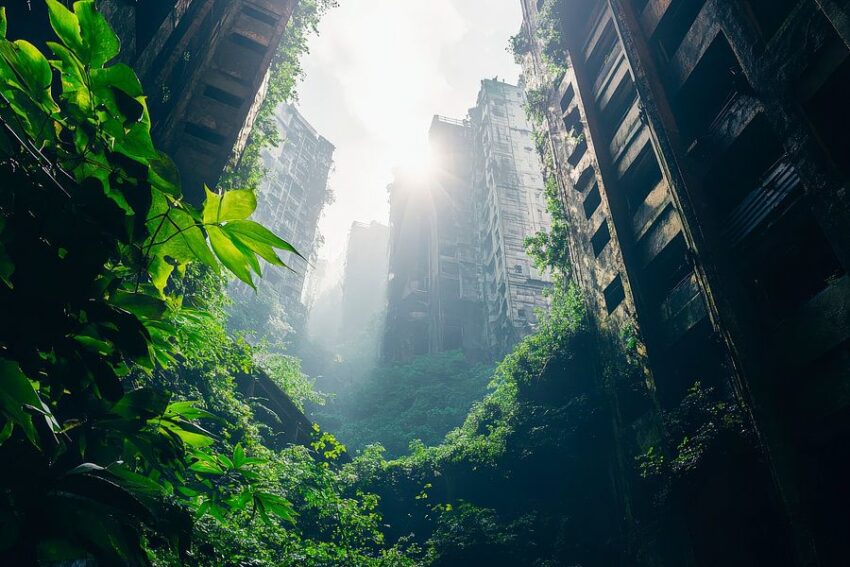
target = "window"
x: 601, y: 239
x: 518, y: 269
x: 592, y: 201
x: 615, y: 293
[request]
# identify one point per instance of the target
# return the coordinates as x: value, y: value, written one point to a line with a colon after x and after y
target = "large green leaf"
x: 100, y: 44
x: 32, y: 70
x: 237, y: 204
x: 119, y: 76
x: 248, y: 230
x: 17, y: 393
x: 212, y: 205
x: 66, y: 25
x: 74, y: 87
x: 230, y: 254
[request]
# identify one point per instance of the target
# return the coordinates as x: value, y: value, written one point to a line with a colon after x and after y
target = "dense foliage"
x: 399, y: 403
x: 119, y: 404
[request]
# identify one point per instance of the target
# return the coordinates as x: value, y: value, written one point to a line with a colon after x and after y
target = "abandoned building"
x: 203, y: 65
x: 459, y: 276
x: 290, y: 200
x: 701, y: 152
x: 509, y: 206
x: 364, y: 281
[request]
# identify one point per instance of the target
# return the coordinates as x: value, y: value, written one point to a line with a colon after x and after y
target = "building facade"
x: 203, y: 65
x: 698, y: 151
x: 459, y: 275
x: 290, y: 201
x: 509, y: 206
x: 364, y: 284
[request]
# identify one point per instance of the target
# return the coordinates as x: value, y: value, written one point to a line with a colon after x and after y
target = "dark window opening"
x: 675, y: 24
x: 578, y: 152
x: 790, y: 264
x: 666, y: 271
x: 615, y: 293
x: 592, y: 201
x: 567, y: 99
x: 829, y: 113
x: 770, y: 14
x: 573, y: 124
x: 601, y: 239
x: 641, y: 178
x: 695, y: 357
x: 712, y: 84
x: 587, y: 177
x: 223, y: 97
x: 264, y: 17
x: 741, y: 168
x: 205, y: 134
x: 619, y: 105
x: 601, y: 51
x: 150, y: 14
x: 248, y: 43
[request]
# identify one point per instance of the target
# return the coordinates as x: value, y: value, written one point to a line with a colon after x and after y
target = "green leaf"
x: 16, y: 394
x: 164, y: 175
x: 99, y: 42
x: 7, y: 431
x: 74, y: 87
x: 252, y: 231
x: 66, y: 25
x: 212, y: 204
x: 142, y: 404
x: 2, y: 22
x: 160, y: 270
x: 32, y: 70
x: 140, y: 304
x: 237, y: 204
x: 119, y: 76
x: 230, y: 254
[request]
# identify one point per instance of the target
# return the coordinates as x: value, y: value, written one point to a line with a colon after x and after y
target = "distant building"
x: 364, y: 284
x: 509, y: 206
x: 290, y: 202
x: 459, y: 274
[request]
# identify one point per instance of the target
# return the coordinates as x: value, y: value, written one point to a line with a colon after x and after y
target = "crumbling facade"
x: 203, y: 65
x: 292, y: 195
x: 701, y: 152
x: 509, y: 206
x: 460, y: 278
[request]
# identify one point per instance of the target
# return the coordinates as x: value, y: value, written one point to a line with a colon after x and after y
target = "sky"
x: 376, y: 74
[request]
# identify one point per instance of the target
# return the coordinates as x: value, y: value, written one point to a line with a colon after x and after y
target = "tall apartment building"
x: 290, y: 201
x: 433, y: 291
x: 459, y: 275
x: 509, y: 206
x: 203, y: 65
x: 364, y: 283
x: 702, y: 156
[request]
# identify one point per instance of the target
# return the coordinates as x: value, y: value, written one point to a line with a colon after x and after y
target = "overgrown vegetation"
x: 119, y: 406
x: 396, y: 404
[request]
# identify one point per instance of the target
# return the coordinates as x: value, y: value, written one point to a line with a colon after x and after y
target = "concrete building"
x: 364, y: 284
x: 290, y: 201
x: 203, y: 65
x: 701, y: 152
x: 459, y: 274
x: 509, y: 206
